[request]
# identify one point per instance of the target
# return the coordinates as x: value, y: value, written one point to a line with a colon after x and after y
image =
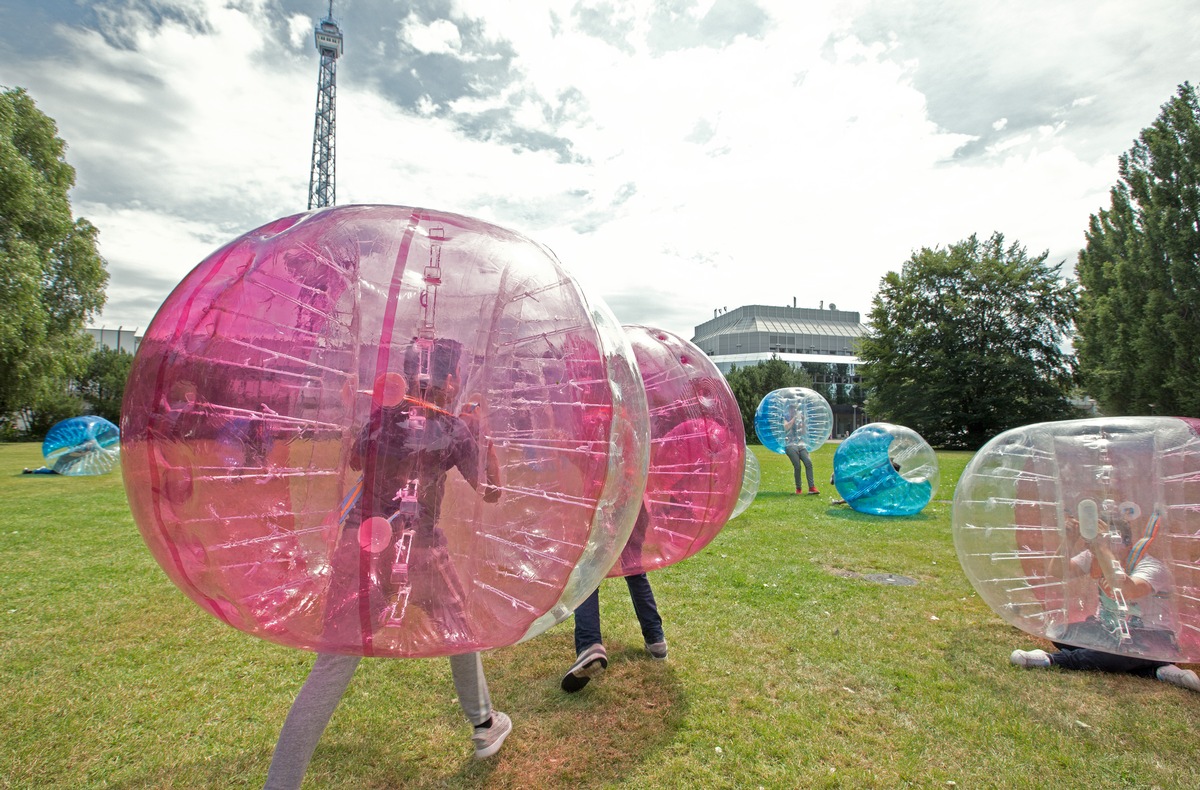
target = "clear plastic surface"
x: 697, y: 452
x: 380, y: 430
x: 87, y: 445
x: 751, y: 478
x: 793, y: 416
x: 885, y: 470
x: 1087, y: 532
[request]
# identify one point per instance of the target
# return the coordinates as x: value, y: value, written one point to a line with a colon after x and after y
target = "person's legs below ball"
x: 646, y: 609
x: 793, y: 454
x: 491, y: 726
x: 306, y: 721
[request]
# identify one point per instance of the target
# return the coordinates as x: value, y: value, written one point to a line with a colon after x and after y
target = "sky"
x: 678, y: 156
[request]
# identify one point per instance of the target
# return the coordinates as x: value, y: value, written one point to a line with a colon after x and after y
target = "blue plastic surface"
x: 87, y: 445
x: 866, y: 475
x: 773, y: 413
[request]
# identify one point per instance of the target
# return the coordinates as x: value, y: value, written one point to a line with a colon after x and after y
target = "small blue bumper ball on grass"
x: 87, y: 445
x: 885, y: 470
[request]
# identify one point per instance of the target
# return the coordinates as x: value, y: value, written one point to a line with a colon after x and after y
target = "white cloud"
x: 300, y: 29
x: 803, y: 163
x: 439, y: 37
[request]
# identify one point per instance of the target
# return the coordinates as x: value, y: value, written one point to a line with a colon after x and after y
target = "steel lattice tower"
x: 322, y: 190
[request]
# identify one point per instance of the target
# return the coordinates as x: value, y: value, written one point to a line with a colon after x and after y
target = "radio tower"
x: 322, y: 190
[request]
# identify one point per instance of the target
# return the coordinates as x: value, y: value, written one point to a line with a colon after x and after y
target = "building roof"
x: 782, y: 320
x: 747, y: 360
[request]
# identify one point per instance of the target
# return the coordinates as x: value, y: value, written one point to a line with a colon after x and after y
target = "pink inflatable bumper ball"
x: 378, y: 430
x: 697, y: 452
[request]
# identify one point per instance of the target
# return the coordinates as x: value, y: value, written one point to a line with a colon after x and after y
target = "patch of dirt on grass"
x: 892, y: 579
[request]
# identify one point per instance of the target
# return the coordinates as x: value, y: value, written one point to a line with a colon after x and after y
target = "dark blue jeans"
x: 1091, y: 632
x: 587, y: 616
x: 1069, y: 657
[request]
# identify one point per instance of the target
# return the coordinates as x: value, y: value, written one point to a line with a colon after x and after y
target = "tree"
x: 102, y: 384
x: 833, y: 381
x: 751, y: 384
x: 966, y: 342
x: 52, y: 279
x: 1139, y: 318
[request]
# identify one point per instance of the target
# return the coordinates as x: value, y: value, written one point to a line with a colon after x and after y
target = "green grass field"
x: 787, y: 669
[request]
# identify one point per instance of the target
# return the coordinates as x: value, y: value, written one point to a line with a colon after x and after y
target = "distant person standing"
x: 796, y: 447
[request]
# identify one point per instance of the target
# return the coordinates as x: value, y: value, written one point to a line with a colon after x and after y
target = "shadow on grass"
x: 846, y: 513
x: 601, y: 734
x: 782, y: 495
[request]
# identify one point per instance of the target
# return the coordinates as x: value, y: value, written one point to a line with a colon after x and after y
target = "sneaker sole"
x: 578, y: 678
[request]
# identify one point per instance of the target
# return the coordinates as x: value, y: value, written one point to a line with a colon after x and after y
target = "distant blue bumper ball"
x: 885, y: 470
x: 793, y: 416
x: 87, y: 445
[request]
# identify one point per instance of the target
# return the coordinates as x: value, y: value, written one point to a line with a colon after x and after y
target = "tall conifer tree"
x: 1139, y: 321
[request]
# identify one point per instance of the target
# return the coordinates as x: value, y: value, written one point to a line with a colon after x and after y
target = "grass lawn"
x: 787, y: 669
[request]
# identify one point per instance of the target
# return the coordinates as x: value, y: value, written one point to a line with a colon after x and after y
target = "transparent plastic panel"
x: 793, y: 416
x: 87, y: 445
x: 885, y: 470
x: 1087, y: 532
x: 381, y: 430
x: 751, y: 478
x: 697, y: 452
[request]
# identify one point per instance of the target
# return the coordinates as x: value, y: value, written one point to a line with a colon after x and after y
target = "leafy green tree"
x: 751, y: 384
x: 102, y: 384
x: 834, y: 382
x: 966, y: 342
x: 52, y: 279
x: 1139, y: 318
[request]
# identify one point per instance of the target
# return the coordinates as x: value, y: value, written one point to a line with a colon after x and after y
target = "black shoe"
x: 591, y: 663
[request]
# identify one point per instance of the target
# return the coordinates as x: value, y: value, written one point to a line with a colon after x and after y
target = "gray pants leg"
x: 799, y: 455
x: 321, y: 693
x: 323, y: 690
x: 471, y: 686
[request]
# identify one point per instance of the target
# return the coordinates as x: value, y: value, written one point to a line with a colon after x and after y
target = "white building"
x: 751, y: 334
x: 119, y: 339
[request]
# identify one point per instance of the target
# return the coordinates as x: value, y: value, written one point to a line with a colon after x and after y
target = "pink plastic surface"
x: 379, y: 430
x: 697, y: 452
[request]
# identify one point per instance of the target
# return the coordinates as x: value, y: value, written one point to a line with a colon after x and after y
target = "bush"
x: 52, y: 409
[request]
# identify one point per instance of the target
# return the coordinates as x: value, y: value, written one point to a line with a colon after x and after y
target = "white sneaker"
x: 1184, y: 678
x: 1030, y: 658
x: 488, y: 740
